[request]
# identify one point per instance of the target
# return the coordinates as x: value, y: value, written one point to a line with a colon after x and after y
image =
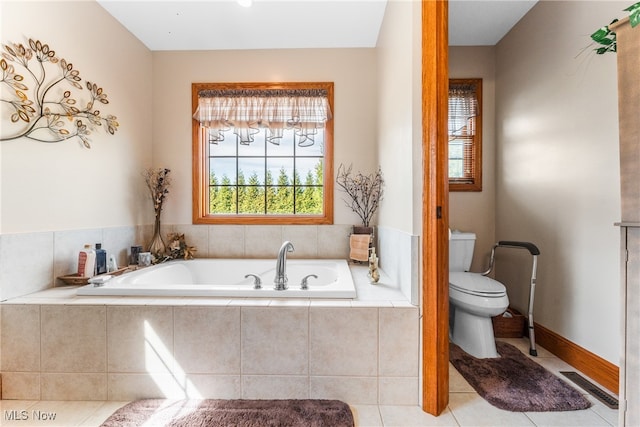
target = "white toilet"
x: 473, y: 300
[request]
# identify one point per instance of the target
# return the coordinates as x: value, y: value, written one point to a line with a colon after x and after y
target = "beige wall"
x: 400, y: 122
x: 64, y: 186
x: 353, y: 72
x: 557, y: 169
x: 475, y: 211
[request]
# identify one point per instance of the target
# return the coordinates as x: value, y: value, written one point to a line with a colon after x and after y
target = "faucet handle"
x: 257, y: 282
x: 305, y: 281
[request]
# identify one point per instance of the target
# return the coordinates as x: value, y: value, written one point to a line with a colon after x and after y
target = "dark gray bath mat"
x: 236, y: 413
x: 515, y: 382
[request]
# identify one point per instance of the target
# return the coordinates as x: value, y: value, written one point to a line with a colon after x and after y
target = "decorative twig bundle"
x: 158, y: 182
x: 365, y: 191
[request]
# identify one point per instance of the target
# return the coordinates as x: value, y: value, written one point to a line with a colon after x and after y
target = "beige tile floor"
x: 466, y: 409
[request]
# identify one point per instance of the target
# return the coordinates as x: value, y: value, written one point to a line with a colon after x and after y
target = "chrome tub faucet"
x: 280, y: 280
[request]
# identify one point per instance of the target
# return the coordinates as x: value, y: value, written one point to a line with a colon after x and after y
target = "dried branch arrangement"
x: 37, y: 102
x: 158, y: 182
x: 365, y: 191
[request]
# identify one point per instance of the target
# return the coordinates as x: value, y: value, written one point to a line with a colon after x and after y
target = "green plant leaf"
x: 601, y: 34
x: 603, y: 50
x: 634, y: 18
x: 634, y: 14
x: 605, y: 41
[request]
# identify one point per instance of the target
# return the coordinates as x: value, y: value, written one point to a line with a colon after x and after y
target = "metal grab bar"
x: 534, y: 251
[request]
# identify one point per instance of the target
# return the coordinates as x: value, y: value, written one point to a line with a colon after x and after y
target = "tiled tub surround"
x: 58, y: 346
x: 30, y: 262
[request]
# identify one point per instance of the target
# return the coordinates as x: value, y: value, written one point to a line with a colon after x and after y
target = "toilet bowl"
x: 473, y: 300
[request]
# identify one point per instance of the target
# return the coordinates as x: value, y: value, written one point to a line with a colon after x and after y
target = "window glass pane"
x: 456, y: 159
x: 282, y: 146
x: 224, y: 170
x: 224, y: 148
x: 255, y: 148
x: 455, y: 150
x: 309, y: 200
x: 308, y: 171
x: 317, y: 149
x: 251, y: 200
x: 222, y: 199
x: 280, y: 200
x: 456, y: 168
x: 280, y: 169
x: 252, y: 170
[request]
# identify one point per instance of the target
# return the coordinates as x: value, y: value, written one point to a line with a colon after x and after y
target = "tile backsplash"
x: 30, y: 262
x: 400, y: 259
x: 26, y: 263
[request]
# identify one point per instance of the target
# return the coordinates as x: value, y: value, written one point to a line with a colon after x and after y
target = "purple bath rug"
x: 514, y: 382
x: 232, y: 413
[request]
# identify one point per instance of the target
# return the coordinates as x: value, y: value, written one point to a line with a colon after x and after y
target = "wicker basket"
x: 75, y: 280
x: 508, y: 327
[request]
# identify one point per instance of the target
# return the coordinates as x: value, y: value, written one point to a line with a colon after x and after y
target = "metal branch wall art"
x: 39, y: 105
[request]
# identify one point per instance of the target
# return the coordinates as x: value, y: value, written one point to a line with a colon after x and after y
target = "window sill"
x: 265, y: 220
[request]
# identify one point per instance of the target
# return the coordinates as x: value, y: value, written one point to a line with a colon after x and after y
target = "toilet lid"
x: 476, y: 284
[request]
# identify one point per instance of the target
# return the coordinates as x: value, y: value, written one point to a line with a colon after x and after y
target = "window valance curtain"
x: 463, y: 108
x: 246, y: 111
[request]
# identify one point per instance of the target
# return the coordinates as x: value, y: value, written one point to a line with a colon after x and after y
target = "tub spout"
x: 280, y: 280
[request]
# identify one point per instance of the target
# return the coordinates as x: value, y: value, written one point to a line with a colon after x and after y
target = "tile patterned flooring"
x: 466, y: 408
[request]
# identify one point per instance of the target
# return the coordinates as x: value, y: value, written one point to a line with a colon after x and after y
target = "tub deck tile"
x: 244, y: 302
x: 289, y: 303
x: 199, y: 301
x: 331, y: 303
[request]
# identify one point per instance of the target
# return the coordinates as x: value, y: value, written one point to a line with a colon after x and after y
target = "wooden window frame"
x: 473, y: 182
x: 200, y: 178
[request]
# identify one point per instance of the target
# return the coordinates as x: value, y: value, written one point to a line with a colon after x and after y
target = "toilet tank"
x: 461, y: 250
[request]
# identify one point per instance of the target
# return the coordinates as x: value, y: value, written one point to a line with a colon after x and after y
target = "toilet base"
x: 474, y: 334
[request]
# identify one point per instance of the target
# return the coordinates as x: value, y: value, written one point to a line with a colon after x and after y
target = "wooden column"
x: 435, y: 207
x: 628, y: 62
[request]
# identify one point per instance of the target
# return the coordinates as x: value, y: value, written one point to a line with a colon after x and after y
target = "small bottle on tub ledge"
x: 374, y: 274
x: 101, y: 259
x: 87, y: 262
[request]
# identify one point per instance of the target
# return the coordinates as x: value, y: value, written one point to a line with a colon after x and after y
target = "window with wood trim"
x: 465, y: 135
x: 262, y: 153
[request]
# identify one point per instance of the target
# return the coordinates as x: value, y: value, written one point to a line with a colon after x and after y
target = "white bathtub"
x: 226, y: 278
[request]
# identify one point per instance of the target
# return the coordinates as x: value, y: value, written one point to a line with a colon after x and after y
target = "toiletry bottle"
x: 101, y: 259
x: 87, y: 262
x: 112, y: 265
x: 135, y: 250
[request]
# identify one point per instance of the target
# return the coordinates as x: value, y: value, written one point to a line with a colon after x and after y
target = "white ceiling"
x: 484, y: 22
x: 273, y: 24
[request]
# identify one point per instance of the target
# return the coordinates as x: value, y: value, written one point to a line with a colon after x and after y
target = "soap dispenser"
x: 101, y: 259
